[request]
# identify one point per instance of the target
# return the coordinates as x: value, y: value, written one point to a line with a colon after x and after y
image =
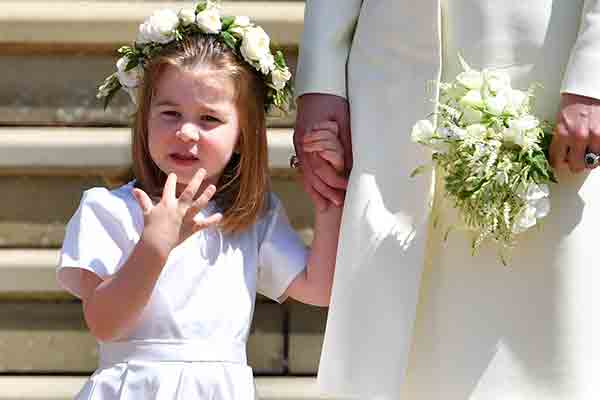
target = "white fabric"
x: 190, y: 340
x: 473, y: 329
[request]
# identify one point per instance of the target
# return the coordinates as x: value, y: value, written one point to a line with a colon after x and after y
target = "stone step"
x: 116, y: 22
x: 43, y: 172
x: 50, y: 336
x: 65, y: 387
x: 50, y: 88
x: 35, y: 209
x: 40, y: 150
x: 50, y: 74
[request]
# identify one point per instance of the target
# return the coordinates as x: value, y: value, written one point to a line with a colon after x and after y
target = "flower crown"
x: 247, y: 40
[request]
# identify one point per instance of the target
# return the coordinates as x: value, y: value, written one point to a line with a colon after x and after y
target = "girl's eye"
x: 210, y: 118
x: 171, y: 114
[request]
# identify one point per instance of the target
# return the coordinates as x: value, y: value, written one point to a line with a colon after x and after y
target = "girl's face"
x: 193, y: 123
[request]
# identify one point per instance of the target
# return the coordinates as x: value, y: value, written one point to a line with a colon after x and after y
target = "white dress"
x: 190, y: 342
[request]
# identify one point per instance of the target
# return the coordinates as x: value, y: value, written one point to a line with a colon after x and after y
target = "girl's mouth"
x: 183, y: 158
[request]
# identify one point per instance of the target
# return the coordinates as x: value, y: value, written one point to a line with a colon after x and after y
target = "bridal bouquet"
x: 493, y: 153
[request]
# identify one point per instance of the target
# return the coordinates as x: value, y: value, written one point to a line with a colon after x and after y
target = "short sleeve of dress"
x: 281, y: 255
x: 99, y: 238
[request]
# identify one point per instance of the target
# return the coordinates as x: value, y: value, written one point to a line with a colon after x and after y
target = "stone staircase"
x: 56, y: 141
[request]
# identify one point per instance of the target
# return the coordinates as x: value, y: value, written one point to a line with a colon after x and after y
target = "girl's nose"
x: 188, y: 133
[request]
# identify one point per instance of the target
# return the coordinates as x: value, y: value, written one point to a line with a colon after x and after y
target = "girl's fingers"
x: 170, y: 187
x: 334, y: 158
x: 320, y: 135
x: 322, y: 146
x: 188, y: 194
x: 203, y: 223
x: 202, y: 201
x: 143, y: 200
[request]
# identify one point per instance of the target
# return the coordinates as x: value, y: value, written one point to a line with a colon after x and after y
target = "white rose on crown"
x: 279, y: 78
x: 256, y: 48
x: 131, y: 78
x: 159, y: 28
x: 241, y: 21
x: 209, y: 20
x: 239, y: 26
x: 248, y: 41
x: 187, y: 16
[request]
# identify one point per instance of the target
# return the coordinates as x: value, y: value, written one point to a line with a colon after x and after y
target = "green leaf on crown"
x: 201, y: 6
x: 229, y: 39
x: 226, y: 23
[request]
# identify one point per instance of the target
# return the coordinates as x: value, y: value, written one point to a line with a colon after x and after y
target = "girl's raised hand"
x: 174, y: 219
x: 324, y: 140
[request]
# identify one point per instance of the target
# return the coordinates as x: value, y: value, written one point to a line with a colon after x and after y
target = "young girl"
x: 168, y: 266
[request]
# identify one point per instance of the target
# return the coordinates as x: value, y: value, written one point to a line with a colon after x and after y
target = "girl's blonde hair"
x: 242, y: 188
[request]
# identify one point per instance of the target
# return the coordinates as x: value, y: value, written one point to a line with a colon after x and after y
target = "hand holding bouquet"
x: 493, y: 153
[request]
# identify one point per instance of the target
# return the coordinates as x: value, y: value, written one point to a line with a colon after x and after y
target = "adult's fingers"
x: 577, y: 150
x: 329, y: 176
x: 333, y: 195
x: 345, y: 137
x: 143, y: 200
x: 317, y: 108
x: 559, y: 148
x: 594, y: 133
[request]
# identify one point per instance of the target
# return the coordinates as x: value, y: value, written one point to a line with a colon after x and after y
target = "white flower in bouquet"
x: 472, y: 99
x: 492, y: 153
x: 476, y: 132
x: 159, y: 27
x: 471, y: 79
x: 522, y: 131
x: 518, y: 101
x: 496, y: 104
x: 537, y: 205
x: 496, y: 81
x: 422, y: 131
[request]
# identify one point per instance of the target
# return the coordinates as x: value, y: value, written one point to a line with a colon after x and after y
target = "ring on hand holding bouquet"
x: 591, y: 159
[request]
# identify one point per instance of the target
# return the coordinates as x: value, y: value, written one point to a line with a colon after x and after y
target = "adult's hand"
x: 577, y: 131
x: 319, y: 178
